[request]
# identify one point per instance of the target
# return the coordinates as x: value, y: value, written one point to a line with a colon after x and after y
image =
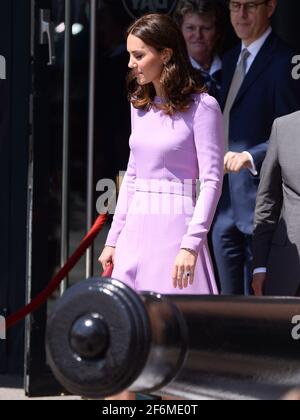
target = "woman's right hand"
x: 107, y: 256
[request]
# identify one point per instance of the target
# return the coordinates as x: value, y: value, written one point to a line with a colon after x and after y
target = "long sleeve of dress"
x: 209, y: 142
x: 124, y: 200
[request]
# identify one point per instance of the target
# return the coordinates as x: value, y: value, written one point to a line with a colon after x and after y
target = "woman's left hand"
x: 184, y: 268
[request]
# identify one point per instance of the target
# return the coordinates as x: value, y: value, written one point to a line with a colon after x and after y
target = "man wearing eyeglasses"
x: 257, y: 88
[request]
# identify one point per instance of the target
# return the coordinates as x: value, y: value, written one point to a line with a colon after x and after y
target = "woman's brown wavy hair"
x: 179, y: 80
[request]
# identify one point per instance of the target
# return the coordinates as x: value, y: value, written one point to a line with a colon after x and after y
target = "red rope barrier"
x: 57, y: 279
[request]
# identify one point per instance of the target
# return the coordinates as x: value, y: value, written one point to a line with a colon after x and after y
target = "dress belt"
x: 185, y: 188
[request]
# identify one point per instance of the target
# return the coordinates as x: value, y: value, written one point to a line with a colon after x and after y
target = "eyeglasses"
x: 250, y: 7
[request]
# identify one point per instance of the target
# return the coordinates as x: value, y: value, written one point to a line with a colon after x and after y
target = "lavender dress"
x: 157, y: 211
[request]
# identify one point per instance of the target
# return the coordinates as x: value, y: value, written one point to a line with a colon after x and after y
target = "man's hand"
x: 258, y: 283
x: 234, y: 162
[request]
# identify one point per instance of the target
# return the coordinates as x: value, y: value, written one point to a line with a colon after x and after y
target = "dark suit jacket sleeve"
x: 286, y: 101
x: 258, y: 153
x: 268, y: 203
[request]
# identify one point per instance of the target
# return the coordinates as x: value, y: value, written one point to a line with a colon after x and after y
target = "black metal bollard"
x: 103, y: 338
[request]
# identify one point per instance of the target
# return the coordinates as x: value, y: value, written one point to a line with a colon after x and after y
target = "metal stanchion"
x: 91, y: 131
x: 64, y: 253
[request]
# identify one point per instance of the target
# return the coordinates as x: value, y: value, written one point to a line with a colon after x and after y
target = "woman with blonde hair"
x: 203, y: 24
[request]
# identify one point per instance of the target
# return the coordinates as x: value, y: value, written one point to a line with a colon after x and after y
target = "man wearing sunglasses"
x: 257, y: 88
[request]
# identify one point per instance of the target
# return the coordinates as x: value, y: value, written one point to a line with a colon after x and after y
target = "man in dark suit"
x: 276, y: 240
x: 257, y: 88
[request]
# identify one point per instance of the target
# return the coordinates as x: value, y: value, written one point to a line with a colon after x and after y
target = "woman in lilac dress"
x: 158, y: 238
